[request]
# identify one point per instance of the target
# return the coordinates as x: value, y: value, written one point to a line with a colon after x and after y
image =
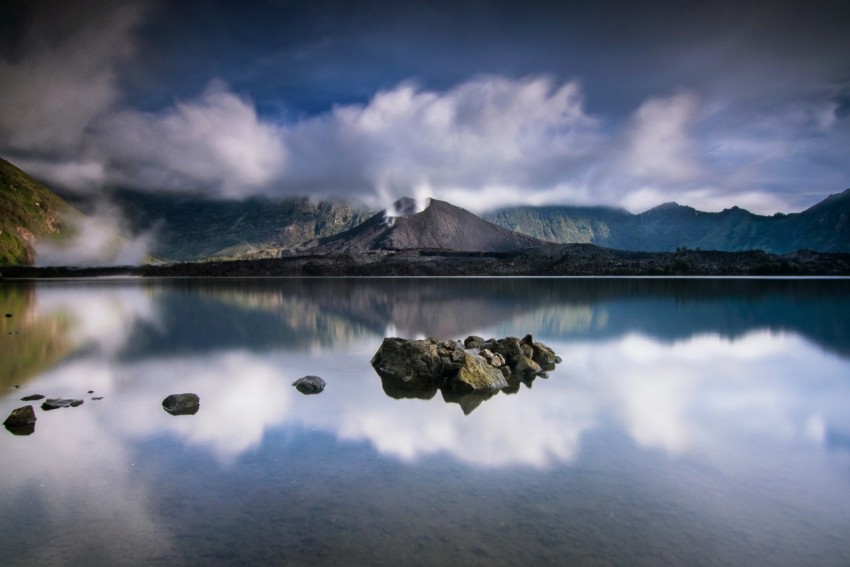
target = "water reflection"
x: 731, y: 393
x: 677, y: 372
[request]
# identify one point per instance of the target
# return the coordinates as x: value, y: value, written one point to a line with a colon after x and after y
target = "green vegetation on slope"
x: 28, y: 210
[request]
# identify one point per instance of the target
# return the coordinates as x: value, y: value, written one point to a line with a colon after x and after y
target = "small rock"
x: 473, y: 341
x: 17, y: 386
x: 56, y: 403
x: 8, y: 315
x: 98, y: 398
x: 309, y: 385
x: 182, y: 404
x: 32, y: 398
x: 20, y: 417
x: 91, y: 391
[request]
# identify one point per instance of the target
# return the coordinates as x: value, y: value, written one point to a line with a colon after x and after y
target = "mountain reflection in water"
x: 738, y: 377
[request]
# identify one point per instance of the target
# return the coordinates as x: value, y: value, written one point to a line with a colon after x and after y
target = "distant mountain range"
x: 825, y: 227
x: 193, y: 227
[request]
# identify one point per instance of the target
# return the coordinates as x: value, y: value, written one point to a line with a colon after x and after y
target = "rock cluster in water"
x: 22, y: 420
x: 467, y: 372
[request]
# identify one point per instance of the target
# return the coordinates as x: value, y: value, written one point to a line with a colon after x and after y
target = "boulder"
x: 478, y: 374
x: 20, y: 417
x: 509, y: 348
x: 414, y: 364
x: 182, y: 404
x: 309, y: 385
x: 473, y: 341
x: 451, y: 354
x: 526, y: 366
x: 544, y: 356
x: 496, y: 360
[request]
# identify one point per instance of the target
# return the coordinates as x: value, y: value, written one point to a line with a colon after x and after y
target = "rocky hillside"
x: 193, y: 227
x: 825, y: 227
x: 440, y: 226
x: 28, y: 211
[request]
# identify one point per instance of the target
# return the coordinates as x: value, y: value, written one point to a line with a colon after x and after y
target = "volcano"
x: 440, y: 226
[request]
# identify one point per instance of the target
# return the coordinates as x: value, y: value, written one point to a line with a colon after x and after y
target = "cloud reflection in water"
x: 697, y: 395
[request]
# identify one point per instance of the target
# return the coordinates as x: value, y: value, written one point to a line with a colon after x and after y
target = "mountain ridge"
x: 824, y: 227
x: 440, y: 226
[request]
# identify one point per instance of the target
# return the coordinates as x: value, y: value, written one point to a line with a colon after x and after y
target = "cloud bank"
x: 486, y: 141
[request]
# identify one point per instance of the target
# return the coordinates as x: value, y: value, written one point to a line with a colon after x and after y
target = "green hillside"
x: 28, y: 211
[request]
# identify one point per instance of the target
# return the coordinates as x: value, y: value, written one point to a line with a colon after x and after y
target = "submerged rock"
x: 182, y: 404
x: 32, y: 398
x: 309, y: 385
x: 56, y: 403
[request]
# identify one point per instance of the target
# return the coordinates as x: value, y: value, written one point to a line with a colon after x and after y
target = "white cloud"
x: 216, y: 141
x: 486, y: 133
x: 660, y: 147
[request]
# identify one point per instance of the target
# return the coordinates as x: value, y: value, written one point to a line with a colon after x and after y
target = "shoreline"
x: 576, y: 260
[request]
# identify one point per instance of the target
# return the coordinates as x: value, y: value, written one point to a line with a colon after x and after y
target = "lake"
x: 691, y: 422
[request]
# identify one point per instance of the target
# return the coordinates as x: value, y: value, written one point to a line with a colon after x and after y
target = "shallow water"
x: 698, y: 422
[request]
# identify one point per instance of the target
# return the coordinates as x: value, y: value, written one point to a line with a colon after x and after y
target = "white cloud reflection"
x: 706, y: 396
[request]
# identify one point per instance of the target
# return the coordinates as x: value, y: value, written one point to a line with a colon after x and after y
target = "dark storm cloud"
x: 485, y: 103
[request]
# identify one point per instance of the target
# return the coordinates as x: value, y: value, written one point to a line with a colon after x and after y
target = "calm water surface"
x: 692, y: 422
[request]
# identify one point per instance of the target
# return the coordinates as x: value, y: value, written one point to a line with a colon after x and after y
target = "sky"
x: 481, y: 103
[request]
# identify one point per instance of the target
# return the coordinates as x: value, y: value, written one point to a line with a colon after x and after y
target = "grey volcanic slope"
x: 441, y: 226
